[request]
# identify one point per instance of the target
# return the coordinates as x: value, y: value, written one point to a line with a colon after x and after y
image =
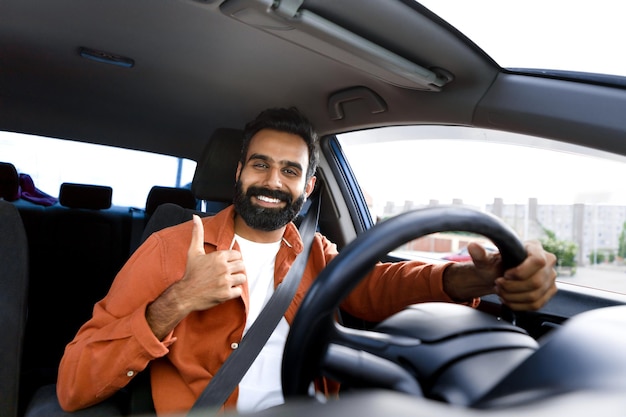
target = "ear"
x: 238, y: 173
x: 310, y: 186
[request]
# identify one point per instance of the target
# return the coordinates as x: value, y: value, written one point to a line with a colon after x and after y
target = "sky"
x: 555, y: 34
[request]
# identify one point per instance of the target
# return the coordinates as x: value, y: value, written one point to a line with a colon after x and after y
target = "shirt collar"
x: 220, y: 231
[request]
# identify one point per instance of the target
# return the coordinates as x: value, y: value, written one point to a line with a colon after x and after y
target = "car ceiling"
x: 196, y: 68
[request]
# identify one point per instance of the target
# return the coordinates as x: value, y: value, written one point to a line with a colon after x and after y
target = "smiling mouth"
x: 268, y: 200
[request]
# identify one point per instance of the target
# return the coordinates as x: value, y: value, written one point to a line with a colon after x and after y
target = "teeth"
x: 267, y: 199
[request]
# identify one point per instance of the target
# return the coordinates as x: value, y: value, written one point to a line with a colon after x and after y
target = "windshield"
x: 578, y: 214
x: 570, y: 35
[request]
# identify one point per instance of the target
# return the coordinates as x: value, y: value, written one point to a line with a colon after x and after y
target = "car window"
x: 568, y: 197
x: 131, y: 174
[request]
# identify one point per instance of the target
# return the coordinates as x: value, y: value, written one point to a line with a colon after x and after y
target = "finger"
x: 513, y: 289
x: 228, y: 256
x: 482, y: 258
x: 528, y: 294
x: 528, y: 302
x: 236, y: 286
x: 238, y: 279
x: 235, y: 292
x: 537, y: 282
x: 477, y: 252
x: 234, y: 264
x: 536, y: 260
x: 197, y: 236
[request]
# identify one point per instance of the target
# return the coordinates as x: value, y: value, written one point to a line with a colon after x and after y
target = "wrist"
x: 164, y: 313
x: 462, y: 284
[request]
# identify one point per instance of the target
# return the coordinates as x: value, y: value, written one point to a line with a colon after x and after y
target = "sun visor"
x: 287, y: 20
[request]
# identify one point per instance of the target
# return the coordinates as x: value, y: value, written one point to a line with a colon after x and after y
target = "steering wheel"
x: 317, y: 342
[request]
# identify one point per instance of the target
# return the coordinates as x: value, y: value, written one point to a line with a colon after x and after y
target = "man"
x: 185, y: 298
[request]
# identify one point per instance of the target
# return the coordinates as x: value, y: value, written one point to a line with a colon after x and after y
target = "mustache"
x: 278, y: 194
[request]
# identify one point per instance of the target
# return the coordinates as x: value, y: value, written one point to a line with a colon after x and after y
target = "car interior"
x: 181, y: 78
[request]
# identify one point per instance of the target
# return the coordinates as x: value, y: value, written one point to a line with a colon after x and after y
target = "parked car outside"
x: 463, y: 254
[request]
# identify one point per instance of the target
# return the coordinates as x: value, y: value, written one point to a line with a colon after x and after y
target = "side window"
x: 131, y: 174
x: 568, y: 197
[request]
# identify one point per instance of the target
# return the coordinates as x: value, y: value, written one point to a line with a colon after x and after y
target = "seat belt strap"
x: 234, y: 368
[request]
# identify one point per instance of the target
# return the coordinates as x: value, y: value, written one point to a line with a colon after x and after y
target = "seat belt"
x: 234, y: 368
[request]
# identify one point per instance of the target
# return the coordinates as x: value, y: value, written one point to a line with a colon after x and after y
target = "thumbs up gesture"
x: 210, y: 279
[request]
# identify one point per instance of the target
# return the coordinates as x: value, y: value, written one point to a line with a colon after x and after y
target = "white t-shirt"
x: 261, y: 388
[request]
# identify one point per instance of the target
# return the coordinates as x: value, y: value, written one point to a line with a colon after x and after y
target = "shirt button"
x: 130, y: 374
x: 234, y: 345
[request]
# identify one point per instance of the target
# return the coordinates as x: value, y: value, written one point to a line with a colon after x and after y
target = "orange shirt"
x: 117, y: 342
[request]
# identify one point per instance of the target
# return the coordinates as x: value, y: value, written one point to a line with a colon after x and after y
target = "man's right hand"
x: 210, y: 279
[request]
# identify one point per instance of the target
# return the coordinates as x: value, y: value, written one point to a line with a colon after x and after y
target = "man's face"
x: 271, y: 186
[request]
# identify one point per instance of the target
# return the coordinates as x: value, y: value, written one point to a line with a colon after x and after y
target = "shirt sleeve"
x: 117, y: 342
x: 390, y: 287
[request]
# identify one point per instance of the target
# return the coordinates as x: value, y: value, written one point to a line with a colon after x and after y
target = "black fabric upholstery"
x: 75, y: 257
x: 166, y: 215
x: 46, y: 404
x: 77, y: 247
x: 94, y: 197
x: 9, y: 182
x: 159, y: 195
x: 214, y: 179
x: 213, y: 182
x: 13, y: 292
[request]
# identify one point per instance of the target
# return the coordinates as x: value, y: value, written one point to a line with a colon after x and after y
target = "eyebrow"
x: 284, y: 163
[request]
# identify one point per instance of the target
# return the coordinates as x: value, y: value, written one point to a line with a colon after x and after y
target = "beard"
x: 263, y: 218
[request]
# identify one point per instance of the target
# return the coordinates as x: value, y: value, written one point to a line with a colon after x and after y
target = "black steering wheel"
x: 316, y: 341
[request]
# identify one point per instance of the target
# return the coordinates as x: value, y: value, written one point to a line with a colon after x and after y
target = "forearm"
x: 164, y: 313
x: 392, y: 286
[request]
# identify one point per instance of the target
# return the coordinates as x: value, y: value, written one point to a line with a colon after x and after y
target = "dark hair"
x: 289, y: 120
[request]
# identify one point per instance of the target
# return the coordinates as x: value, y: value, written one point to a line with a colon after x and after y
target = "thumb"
x: 197, y: 237
x: 477, y: 252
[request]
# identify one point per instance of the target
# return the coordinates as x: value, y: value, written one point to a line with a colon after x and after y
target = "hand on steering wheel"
x: 314, y: 328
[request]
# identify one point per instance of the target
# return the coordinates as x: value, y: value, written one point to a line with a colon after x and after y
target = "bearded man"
x: 186, y: 297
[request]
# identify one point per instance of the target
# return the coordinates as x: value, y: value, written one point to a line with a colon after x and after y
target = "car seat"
x: 13, y: 290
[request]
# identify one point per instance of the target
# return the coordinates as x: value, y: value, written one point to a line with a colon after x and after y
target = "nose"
x: 273, y: 179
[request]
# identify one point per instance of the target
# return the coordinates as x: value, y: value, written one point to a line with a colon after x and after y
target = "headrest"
x: 159, y: 195
x: 9, y: 182
x: 214, y: 179
x: 95, y: 197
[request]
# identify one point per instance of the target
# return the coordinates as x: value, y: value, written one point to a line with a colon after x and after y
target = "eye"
x: 291, y: 172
